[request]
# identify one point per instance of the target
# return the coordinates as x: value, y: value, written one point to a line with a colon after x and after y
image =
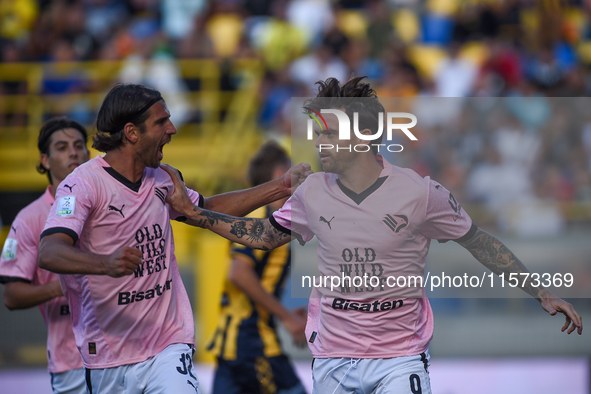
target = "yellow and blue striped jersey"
x: 244, y: 328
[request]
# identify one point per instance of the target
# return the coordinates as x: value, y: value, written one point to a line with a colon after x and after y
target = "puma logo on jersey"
x: 120, y: 210
x: 69, y: 187
x: 14, y: 228
x: 322, y: 219
x: 395, y: 222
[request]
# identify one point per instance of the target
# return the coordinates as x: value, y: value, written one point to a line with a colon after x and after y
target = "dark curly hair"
x: 331, y: 94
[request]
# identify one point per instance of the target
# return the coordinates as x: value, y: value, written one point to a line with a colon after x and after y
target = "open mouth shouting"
x: 160, y: 150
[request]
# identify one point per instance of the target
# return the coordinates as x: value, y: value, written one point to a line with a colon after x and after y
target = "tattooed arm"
x: 250, y: 232
x: 494, y: 255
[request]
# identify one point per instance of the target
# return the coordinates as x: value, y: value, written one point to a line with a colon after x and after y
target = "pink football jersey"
x: 119, y: 321
x: 19, y: 262
x: 384, y: 231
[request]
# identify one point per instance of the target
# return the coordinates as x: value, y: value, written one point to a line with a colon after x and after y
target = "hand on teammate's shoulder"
x: 179, y: 198
x: 296, y: 176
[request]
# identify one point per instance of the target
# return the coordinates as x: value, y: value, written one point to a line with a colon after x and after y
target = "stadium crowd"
x: 532, y: 150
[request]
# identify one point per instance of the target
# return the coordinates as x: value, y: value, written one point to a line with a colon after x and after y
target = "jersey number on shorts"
x: 187, y: 365
x: 415, y: 384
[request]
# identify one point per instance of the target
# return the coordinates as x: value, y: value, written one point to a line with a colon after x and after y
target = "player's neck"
x: 361, y: 175
x: 53, y: 186
x: 125, y: 164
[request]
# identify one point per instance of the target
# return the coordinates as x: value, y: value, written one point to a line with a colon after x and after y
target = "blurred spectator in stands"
x: 17, y: 18
x: 62, y: 78
x: 400, y: 80
x: 544, y: 70
x: 501, y: 72
x: 277, y: 41
x: 13, y: 103
x: 178, y: 16
x: 276, y: 91
x: 380, y: 31
x: 355, y: 55
x: 224, y: 24
x: 454, y: 76
x: 103, y: 17
x: 313, y: 17
x: 318, y: 65
x: 151, y: 63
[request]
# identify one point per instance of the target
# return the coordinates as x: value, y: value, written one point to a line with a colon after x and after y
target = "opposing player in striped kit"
x: 250, y: 356
x: 368, y: 339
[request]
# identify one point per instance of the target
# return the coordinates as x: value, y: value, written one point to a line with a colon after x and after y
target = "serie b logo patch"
x: 92, y: 347
x: 9, y: 249
x: 65, y: 206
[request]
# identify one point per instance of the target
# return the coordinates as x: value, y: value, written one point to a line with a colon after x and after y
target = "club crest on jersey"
x: 65, y: 206
x: 9, y: 250
x: 395, y: 222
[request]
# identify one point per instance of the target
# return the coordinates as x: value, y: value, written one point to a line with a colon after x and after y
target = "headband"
x: 139, y: 113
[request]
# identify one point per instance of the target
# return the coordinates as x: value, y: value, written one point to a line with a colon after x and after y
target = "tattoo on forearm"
x: 494, y: 255
x: 260, y: 233
x: 212, y: 217
x: 239, y: 229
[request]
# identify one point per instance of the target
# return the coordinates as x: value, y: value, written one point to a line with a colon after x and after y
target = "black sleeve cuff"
x: 10, y: 279
x: 200, y: 204
x: 63, y: 230
x: 464, y: 238
x: 286, y: 231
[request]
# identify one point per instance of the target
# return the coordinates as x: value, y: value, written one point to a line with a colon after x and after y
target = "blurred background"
x: 228, y: 70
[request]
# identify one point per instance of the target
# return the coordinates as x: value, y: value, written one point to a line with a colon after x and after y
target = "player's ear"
x: 44, y: 159
x: 366, y: 132
x: 131, y: 132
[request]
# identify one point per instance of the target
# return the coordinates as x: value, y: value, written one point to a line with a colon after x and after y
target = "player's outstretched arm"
x: 494, y: 255
x: 22, y: 295
x: 242, y: 202
x: 250, y: 232
x: 243, y: 276
x: 57, y: 254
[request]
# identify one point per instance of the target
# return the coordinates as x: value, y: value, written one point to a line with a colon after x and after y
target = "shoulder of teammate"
x: 292, y: 218
x: 165, y: 183
x: 18, y: 261
x: 75, y: 198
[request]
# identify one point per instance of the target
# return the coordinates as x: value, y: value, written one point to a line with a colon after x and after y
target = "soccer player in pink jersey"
x: 109, y: 236
x: 62, y: 144
x: 363, y: 209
